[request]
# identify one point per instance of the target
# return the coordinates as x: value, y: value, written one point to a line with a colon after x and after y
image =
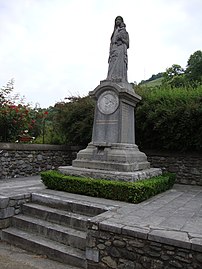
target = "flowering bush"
x: 17, y: 119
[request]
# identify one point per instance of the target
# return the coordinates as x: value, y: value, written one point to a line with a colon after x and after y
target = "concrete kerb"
x: 169, y: 237
x: 196, y: 244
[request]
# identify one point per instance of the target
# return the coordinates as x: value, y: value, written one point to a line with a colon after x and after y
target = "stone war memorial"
x: 112, y: 153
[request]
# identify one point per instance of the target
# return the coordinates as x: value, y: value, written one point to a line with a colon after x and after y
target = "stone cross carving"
x: 118, y: 59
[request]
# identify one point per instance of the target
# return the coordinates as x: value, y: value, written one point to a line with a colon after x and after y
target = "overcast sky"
x: 58, y: 48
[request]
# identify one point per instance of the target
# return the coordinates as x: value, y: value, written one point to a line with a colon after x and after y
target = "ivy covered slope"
x: 132, y: 192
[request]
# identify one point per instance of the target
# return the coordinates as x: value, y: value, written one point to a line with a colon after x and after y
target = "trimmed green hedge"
x: 170, y: 119
x: 133, y: 192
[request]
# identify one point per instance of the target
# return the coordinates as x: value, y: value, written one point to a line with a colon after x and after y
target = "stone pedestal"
x: 113, y: 154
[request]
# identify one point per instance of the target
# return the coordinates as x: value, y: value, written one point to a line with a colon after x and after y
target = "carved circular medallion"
x: 108, y: 102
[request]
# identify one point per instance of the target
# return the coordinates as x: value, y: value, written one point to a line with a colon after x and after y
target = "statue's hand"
x: 119, y: 42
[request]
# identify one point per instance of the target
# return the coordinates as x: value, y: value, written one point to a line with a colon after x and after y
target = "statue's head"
x: 119, y: 21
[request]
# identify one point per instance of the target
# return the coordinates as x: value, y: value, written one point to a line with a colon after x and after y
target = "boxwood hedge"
x: 133, y: 192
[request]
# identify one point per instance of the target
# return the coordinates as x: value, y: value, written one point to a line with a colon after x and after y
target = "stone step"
x: 70, y: 205
x: 43, y: 246
x: 57, y: 216
x: 61, y: 234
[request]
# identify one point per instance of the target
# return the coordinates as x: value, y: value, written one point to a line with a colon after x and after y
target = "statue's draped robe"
x: 118, y: 59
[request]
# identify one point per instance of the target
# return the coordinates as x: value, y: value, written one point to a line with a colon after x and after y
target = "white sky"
x: 58, y: 48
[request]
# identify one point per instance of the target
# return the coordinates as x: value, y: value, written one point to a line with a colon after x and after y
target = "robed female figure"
x: 118, y: 59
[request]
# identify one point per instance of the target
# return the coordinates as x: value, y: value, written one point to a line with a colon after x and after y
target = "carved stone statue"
x: 112, y: 152
x: 118, y: 59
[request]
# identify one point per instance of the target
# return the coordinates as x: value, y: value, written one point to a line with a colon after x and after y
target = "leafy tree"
x: 5, y: 91
x: 174, y: 76
x: 194, y: 68
x: 50, y: 132
x: 74, y: 119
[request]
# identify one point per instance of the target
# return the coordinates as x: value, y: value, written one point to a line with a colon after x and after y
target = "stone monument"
x: 112, y: 153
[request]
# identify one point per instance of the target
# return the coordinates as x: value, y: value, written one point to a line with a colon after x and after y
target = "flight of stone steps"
x: 53, y: 227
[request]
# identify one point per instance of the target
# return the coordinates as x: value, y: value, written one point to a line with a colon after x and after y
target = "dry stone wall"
x: 10, y: 206
x: 188, y: 167
x: 120, y: 249
x: 20, y: 160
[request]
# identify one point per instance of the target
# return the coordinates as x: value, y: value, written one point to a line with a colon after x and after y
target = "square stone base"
x: 111, y: 175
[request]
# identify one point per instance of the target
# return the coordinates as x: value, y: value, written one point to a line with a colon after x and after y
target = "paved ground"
x: 175, y: 214
x: 15, y: 258
x: 179, y: 209
x: 11, y: 187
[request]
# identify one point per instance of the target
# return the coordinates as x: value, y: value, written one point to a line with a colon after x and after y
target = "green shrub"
x: 133, y: 192
x: 74, y: 120
x: 170, y: 119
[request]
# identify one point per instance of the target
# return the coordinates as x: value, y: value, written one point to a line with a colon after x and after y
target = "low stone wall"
x: 188, y: 167
x: 20, y: 160
x: 10, y: 206
x: 123, y: 248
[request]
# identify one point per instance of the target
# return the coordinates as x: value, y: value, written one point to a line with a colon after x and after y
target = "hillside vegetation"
x: 152, y: 83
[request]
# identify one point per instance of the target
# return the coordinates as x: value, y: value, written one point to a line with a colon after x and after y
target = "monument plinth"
x: 112, y: 153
